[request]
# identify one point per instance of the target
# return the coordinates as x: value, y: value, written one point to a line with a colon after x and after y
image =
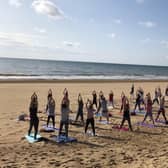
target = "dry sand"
x: 145, y: 147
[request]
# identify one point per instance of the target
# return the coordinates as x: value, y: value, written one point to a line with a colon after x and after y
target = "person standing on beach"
x: 138, y: 101
x: 90, y: 117
x: 102, y: 109
x: 122, y: 101
x: 80, y: 108
x: 148, y: 108
x: 94, y: 98
x: 126, y: 113
x: 132, y: 92
x: 156, y: 99
x: 111, y: 98
x: 49, y: 94
x: 162, y: 109
x: 34, y: 121
x: 65, y: 113
x: 50, y: 109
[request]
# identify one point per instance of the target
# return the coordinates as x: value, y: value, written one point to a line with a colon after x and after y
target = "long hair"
x: 34, y: 101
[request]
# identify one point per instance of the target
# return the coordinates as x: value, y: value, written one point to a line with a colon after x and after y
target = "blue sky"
x: 116, y: 31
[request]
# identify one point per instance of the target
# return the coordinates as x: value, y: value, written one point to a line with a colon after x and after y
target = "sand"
x: 144, y: 147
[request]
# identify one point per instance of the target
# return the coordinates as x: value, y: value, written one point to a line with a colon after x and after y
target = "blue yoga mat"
x: 103, y: 122
x: 63, y: 139
x: 31, y: 139
x: 49, y: 128
x: 138, y: 112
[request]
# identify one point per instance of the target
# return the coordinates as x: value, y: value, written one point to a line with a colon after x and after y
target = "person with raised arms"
x: 148, y: 108
x: 65, y: 113
x: 80, y: 108
x: 126, y: 113
x: 162, y: 110
x: 90, y: 116
x: 50, y: 109
x: 33, y: 109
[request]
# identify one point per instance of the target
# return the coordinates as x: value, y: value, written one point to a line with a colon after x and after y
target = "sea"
x: 26, y: 69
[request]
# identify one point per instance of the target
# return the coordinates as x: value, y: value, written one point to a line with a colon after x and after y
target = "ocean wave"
x: 97, y: 77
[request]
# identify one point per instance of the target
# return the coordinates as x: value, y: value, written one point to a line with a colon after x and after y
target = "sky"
x: 113, y: 31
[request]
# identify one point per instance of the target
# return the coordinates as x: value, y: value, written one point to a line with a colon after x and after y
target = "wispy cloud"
x: 8, y: 39
x: 117, y: 21
x: 71, y: 44
x: 40, y: 30
x: 140, y: 1
x: 164, y: 43
x: 48, y: 8
x: 16, y: 3
x: 147, y: 24
x: 112, y: 35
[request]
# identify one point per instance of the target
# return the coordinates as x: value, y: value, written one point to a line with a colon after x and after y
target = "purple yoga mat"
x: 122, y: 129
x: 145, y: 124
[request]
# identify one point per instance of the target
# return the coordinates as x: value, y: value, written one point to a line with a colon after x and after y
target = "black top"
x: 33, y: 112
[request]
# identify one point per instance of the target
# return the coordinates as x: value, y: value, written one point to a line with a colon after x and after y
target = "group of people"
x: 95, y: 106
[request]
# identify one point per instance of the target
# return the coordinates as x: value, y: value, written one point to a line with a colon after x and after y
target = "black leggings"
x: 139, y: 105
x: 53, y: 120
x: 163, y: 113
x: 90, y: 121
x: 129, y: 122
x: 34, y: 122
x: 79, y: 114
x: 156, y: 100
x: 62, y: 123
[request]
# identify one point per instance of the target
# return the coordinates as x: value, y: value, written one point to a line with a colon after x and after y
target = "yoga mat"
x: 31, y: 139
x: 63, y: 139
x: 160, y: 121
x: 138, y: 112
x: 103, y: 122
x: 122, y: 129
x: 145, y: 125
x: 49, y: 128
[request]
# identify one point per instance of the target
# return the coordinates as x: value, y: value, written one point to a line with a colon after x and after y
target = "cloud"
x: 147, y: 24
x: 71, y: 44
x: 40, y: 30
x: 48, y: 8
x: 12, y: 39
x: 164, y: 43
x: 117, y: 21
x: 16, y: 3
x: 140, y: 1
x: 112, y: 35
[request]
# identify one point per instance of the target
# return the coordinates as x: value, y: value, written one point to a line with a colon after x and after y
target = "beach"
x: 142, y: 148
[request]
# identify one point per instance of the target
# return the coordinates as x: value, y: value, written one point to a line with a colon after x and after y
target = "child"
x: 80, y: 108
x: 64, y: 114
x: 90, y: 116
x: 50, y: 109
x: 34, y: 121
x: 126, y: 114
x: 148, y: 108
x: 162, y: 109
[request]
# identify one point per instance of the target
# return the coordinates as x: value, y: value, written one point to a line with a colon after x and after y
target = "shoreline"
x: 81, y: 80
